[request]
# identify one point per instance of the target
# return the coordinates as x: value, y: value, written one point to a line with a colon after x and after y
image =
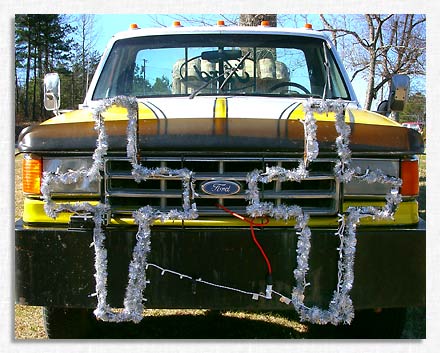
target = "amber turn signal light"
x: 32, y: 174
x: 409, y: 173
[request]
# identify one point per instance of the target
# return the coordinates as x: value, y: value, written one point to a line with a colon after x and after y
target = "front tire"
x: 367, y: 324
x: 386, y: 323
x: 68, y: 323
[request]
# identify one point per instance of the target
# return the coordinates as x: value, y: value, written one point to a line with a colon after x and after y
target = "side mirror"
x: 382, y: 108
x: 399, y: 92
x: 52, y: 96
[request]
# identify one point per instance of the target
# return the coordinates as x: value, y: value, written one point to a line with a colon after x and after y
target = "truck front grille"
x: 317, y: 195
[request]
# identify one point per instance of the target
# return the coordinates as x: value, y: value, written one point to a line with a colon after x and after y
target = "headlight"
x: 388, y: 166
x: 62, y: 165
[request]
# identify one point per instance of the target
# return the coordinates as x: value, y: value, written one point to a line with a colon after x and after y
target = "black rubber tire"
x: 387, y: 323
x: 367, y: 324
x: 68, y: 323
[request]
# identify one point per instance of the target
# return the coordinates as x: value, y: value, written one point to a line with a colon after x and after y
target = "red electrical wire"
x: 252, y: 224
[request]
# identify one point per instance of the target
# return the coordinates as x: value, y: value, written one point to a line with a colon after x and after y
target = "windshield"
x: 211, y: 64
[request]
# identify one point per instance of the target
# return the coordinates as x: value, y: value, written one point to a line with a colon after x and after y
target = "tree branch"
x: 357, y: 72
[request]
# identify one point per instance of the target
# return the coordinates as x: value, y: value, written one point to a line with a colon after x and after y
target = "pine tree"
x: 42, y: 42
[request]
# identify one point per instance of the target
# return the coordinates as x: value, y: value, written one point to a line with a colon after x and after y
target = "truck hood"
x: 221, y: 107
x: 222, y: 124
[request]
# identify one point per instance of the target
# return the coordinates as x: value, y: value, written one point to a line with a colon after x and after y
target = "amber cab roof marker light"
x: 265, y: 23
x: 177, y: 24
x: 308, y: 26
x: 134, y: 26
x: 221, y: 23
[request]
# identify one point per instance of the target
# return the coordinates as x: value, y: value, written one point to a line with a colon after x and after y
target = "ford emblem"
x: 220, y: 187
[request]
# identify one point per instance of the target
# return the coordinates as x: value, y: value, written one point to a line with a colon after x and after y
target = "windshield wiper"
x: 197, y: 91
x: 234, y: 69
x: 328, y: 82
x: 216, y: 78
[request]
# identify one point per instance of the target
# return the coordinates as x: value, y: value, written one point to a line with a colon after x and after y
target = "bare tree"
x: 210, y: 20
x: 383, y: 45
x: 87, y: 41
x: 256, y: 19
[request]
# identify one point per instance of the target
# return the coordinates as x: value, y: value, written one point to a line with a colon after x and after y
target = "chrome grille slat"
x: 145, y: 194
x: 120, y: 212
x: 299, y: 195
x: 317, y: 195
x: 205, y: 176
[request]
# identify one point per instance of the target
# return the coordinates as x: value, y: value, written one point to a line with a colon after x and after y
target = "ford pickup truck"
x: 224, y: 168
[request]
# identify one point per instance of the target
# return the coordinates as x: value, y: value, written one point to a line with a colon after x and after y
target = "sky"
x: 107, y: 25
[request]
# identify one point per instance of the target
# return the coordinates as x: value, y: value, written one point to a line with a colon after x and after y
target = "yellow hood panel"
x: 112, y: 114
x: 351, y: 116
x: 118, y: 113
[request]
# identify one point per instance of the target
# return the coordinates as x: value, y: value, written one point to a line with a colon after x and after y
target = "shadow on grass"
x: 205, y: 326
x: 280, y: 325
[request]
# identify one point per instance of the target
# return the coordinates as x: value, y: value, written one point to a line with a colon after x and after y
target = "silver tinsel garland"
x: 144, y: 217
x: 340, y: 308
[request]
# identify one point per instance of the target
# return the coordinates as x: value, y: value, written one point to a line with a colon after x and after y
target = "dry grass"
x: 18, y: 188
x: 203, y: 323
x: 29, y: 323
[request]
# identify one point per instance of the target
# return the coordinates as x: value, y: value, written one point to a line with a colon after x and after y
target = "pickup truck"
x: 224, y: 168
